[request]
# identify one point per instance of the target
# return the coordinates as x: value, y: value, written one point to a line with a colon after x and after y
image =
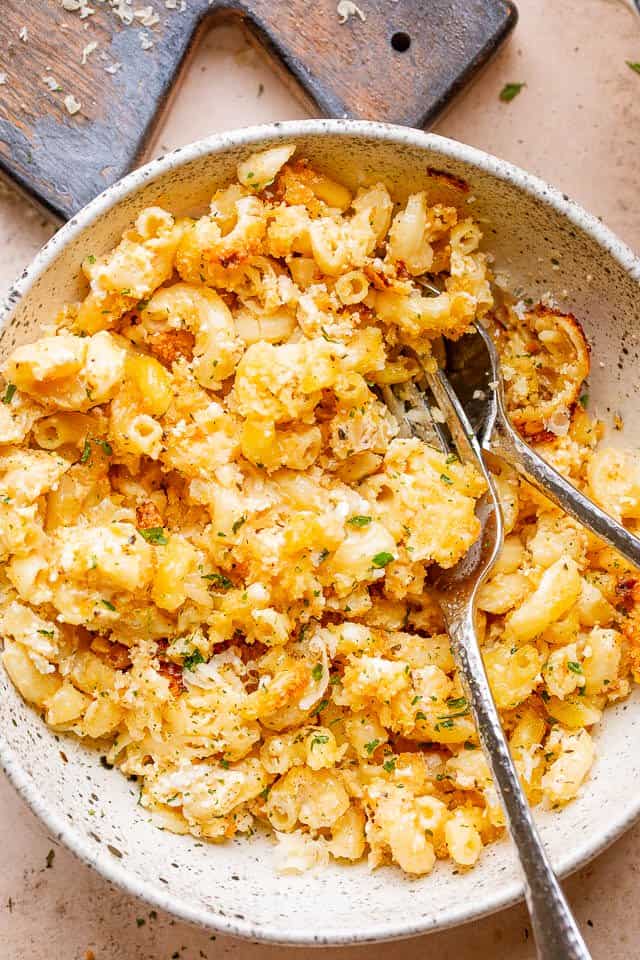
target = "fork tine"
x: 429, y: 429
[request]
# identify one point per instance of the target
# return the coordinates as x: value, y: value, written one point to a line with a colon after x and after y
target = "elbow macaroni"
x: 216, y: 546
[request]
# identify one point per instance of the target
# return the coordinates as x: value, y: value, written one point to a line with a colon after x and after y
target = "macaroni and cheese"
x: 216, y: 546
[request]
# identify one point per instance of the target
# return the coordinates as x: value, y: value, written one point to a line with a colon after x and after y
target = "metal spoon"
x: 474, y: 370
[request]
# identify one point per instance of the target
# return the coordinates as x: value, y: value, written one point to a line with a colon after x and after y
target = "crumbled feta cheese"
x: 438, y: 415
x: 146, y: 42
x: 113, y: 67
x: 87, y: 51
x: 478, y: 395
x: 146, y: 16
x: 72, y: 105
x: 51, y: 82
x: 346, y: 9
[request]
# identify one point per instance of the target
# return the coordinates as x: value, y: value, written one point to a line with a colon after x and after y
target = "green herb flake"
x: 457, y: 703
x: 574, y: 666
x: 154, y: 535
x: 452, y: 458
x: 469, y: 746
x: 108, y: 605
x: 371, y: 746
x: 9, y: 393
x: 359, y: 521
x: 382, y: 559
x: 46, y: 633
x: 319, y: 739
x: 321, y: 706
x: 446, y: 479
x: 225, y: 764
x: 236, y: 526
x: 633, y: 65
x: 86, y: 452
x: 317, y: 671
x: 192, y: 660
x: 218, y: 580
x: 420, y: 715
x: 389, y: 765
x: 325, y: 336
x: 105, y: 446
x: 5, y: 498
x: 584, y: 400
x: 510, y: 91
x: 91, y: 259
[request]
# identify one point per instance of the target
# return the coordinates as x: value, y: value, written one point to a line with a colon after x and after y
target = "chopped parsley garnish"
x: 317, y: 671
x: 9, y: 392
x: 584, y: 400
x: 86, y: 452
x: 5, y: 498
x: 319, y: 738
x: 225, y: 764
x: 46, y: 633
x: 420, y: 715
x: 91, y: 259
x: 382, y: 559
x: 325, y: 336
x: 574, y: 666
x: 359, y: 521
x: 469, y: 746
x: 446, y: 478
x: 635, y: 66
x: 192, y: 660
x: 452, y: 716
x: 236, y: 526
x: 371, y: 746
x: 321, y: 706
x: 154, y: 535
x: 509, y: 91
x: 452, y: 458
x: 457, y: 703
x: 218, y: 580
x: 108, y: 605
x: 389, y: 765
x: 105, y: 446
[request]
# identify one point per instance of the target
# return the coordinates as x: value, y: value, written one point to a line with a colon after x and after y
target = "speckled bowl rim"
x: 57, y: 825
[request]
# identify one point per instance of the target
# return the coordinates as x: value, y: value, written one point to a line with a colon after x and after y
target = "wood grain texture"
x: 341, y: 70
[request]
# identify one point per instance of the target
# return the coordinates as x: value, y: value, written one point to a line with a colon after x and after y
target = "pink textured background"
x: 577, y: 124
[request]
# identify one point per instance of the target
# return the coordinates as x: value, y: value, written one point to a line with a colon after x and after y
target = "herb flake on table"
x: 633, y: 65
x: 510, y: 91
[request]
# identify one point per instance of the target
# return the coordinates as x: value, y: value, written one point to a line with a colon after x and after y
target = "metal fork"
x: 555, y: 930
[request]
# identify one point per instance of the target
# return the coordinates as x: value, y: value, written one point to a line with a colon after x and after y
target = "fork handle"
x: 555, y: 930
x: 506, y: 443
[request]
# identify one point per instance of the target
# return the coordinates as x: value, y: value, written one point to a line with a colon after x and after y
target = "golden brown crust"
x: 148, y: 515
x: 171, y: 345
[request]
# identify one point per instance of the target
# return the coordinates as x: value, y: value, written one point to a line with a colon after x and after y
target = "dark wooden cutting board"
x: 403, y: 63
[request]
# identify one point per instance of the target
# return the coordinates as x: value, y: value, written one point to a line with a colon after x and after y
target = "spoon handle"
x: 555, y: 931
x: 505, y: 442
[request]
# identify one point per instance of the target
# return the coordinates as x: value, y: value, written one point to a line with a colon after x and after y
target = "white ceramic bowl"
x: 547, y: 244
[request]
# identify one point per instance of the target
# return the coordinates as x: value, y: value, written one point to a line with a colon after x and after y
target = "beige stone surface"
x: 575, y: 123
